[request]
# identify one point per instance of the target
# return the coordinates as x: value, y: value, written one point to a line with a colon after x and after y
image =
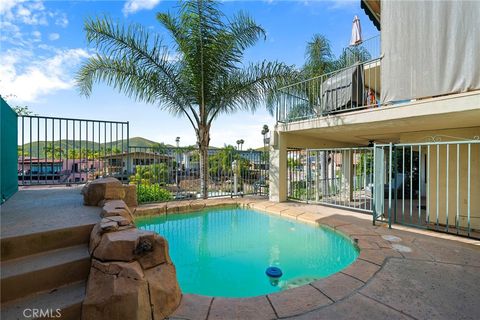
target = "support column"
x: 278, y: 168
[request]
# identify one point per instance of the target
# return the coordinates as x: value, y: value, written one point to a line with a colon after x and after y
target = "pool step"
x: 67, y: 298
x: 43, y: 271
x: 23, y: 245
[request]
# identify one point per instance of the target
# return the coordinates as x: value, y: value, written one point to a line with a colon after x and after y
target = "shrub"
x: 152, y: 193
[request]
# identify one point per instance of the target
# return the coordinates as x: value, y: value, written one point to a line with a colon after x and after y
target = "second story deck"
x: 353, y: 85
x: 351, y: 98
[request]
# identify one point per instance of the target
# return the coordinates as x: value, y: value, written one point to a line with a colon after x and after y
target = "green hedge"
x: 152, y: 193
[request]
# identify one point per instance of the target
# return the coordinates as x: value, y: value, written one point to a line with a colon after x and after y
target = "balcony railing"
x: 354, y: 85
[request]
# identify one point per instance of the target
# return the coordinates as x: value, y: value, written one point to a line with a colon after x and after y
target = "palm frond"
x: 248, y: 88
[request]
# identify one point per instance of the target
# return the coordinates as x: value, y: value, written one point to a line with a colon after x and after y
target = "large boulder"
x: 103, y: 189
x: 132, y: 275
x: 130, y: 195
x: 155, y: 255
x: 116, y: 290
x: 124, y: 245
x: 165, y: 294
x: 95, y: 238
x: 115, y: 208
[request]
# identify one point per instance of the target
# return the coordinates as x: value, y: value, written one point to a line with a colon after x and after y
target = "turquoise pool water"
x: 225, y: 252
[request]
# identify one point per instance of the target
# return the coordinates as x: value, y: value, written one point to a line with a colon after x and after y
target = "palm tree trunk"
x: 203, y: 143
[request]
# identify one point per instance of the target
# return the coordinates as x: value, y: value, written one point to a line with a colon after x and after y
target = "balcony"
x: 354, y: 85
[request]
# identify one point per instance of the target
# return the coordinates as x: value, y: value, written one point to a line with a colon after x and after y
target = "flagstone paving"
x: 401, y: 273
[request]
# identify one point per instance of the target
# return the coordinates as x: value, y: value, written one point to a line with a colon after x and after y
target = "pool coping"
x: 374, y: 250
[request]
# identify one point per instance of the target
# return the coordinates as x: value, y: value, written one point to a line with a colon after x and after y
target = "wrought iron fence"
x: 55, y: 150
x: 432, y: 185
x: 169, y: 173
x: 341, y: 177
x: 66, y: 151
x: 353, y: 85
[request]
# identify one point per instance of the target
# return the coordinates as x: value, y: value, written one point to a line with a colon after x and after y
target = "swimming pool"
x: 225, y: 252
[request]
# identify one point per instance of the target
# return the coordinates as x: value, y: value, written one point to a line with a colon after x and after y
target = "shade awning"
x: 372, y: 10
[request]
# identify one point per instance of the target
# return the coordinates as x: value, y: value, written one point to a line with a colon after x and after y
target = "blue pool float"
x: 273, y: 272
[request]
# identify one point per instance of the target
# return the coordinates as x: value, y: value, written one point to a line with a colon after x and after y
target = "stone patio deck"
x: 401, y: 273
x: 34, y: 210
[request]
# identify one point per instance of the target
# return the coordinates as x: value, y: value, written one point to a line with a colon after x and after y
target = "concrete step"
x: 27, y: 244
x: 43, y: 271
x: 68, y: 299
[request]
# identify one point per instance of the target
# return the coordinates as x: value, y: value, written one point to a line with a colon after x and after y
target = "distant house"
x: 34, y: 169
x: 125, y: 163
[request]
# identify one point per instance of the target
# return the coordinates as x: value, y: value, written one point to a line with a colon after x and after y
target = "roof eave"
x: 372, y: 10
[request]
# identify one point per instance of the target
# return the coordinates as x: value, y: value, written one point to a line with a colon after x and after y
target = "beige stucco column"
x: 278, y: 168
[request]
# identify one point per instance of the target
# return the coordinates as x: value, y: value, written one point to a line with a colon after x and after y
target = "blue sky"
x: 42, y: 45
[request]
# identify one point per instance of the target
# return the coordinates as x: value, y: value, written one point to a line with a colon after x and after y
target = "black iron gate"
x: 59, y: 151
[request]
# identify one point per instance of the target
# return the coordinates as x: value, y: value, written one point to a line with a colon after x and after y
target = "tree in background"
x: 220, y: 164
x: 204, y: 79
x: 151, y: 174
x: 319, y: 58
x: 350, y: 56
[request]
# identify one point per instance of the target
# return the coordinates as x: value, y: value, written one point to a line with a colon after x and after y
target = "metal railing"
x: 353, y: 85
x: 55, y: 150
x: 431, y: 185
x: 340, y: 177
x: 169, y: 173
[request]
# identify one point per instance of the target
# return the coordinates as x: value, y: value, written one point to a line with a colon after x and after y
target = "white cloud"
x: 132, y: 6
x: 53, y: 36
x: 18, y: 16
x: 29, y: 79
x: 30, y: 13
x: 10, y: 32
x: 37, y: 36
x: 7, y: 5
x: 61, y: 20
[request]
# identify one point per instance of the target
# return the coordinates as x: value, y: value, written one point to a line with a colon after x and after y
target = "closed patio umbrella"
x: 356, y: 32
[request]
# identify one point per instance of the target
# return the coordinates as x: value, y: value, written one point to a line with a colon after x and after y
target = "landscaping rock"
x: 103, y: 189
x: 108, y: 225
x: 130, y: 195
x: 121, y: 245
x: 95, y: 238
x: 165, y: 294
x: 118, y: 285
x: 121, y: 269
x: 122, y: 221
x: 112, y: 295
x: 112, y: 204
x: 117, y: 212
x: 158, y: 254
x: 116, y: 208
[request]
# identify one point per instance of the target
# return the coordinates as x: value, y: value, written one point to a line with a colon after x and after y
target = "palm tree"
x: 240, y: 144
x: 318, y: 56
x: 352, y: 55
x: 200, y: 76
x: 265, y: 130
x: 319, y: 60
